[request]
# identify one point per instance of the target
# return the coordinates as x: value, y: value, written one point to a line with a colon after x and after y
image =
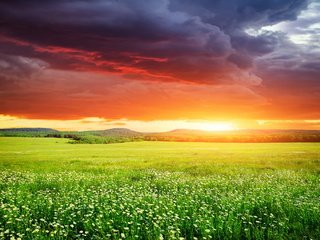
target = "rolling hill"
x: 180, y: 135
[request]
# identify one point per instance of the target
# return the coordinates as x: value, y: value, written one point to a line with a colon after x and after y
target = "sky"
x: 159, y: 65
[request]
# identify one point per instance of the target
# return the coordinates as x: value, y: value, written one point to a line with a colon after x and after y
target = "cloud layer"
x: 217, y: 59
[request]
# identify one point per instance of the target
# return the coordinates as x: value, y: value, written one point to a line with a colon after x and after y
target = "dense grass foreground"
x: 50, y: 189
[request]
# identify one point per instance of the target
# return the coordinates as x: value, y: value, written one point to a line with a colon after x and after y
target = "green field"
x: 51, y: 189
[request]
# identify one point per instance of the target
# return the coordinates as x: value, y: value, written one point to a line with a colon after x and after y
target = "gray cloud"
x: 206, y: 42
x: 192, y: 36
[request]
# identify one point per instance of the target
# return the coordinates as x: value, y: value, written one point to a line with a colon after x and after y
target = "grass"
x: 50, y: 189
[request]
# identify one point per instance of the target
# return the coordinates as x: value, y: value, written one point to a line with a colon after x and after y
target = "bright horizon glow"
x: 96, y: 123
x: 189, y: 66
x: 216, y: 127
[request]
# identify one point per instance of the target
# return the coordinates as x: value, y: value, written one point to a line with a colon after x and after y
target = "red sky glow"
x: 160, y: 65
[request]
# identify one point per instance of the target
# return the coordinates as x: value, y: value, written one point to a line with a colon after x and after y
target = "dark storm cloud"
x: 192, y: 37
x: 203, y: 41
x: 234, y: 14
x: 120, y: 31
x: 20, y: 66
x: 15, y: 71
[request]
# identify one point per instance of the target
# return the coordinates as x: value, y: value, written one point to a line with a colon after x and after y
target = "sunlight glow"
x: 96, y: 123
x: 215, y: 126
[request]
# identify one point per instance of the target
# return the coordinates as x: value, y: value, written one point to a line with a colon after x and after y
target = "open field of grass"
x: 50, y: 189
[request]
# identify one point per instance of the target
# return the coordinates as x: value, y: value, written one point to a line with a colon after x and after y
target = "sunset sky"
x: 157, y: 65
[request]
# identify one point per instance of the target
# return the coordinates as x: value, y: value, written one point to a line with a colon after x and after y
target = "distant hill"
x: 196, y: 132
x: 27, y: 132
x: 180, y: 135
x: 116, y: 132
x: 245, y: 135
x: 121, y: 132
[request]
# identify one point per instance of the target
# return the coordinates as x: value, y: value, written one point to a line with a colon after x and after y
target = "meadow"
x: 51, y: 189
